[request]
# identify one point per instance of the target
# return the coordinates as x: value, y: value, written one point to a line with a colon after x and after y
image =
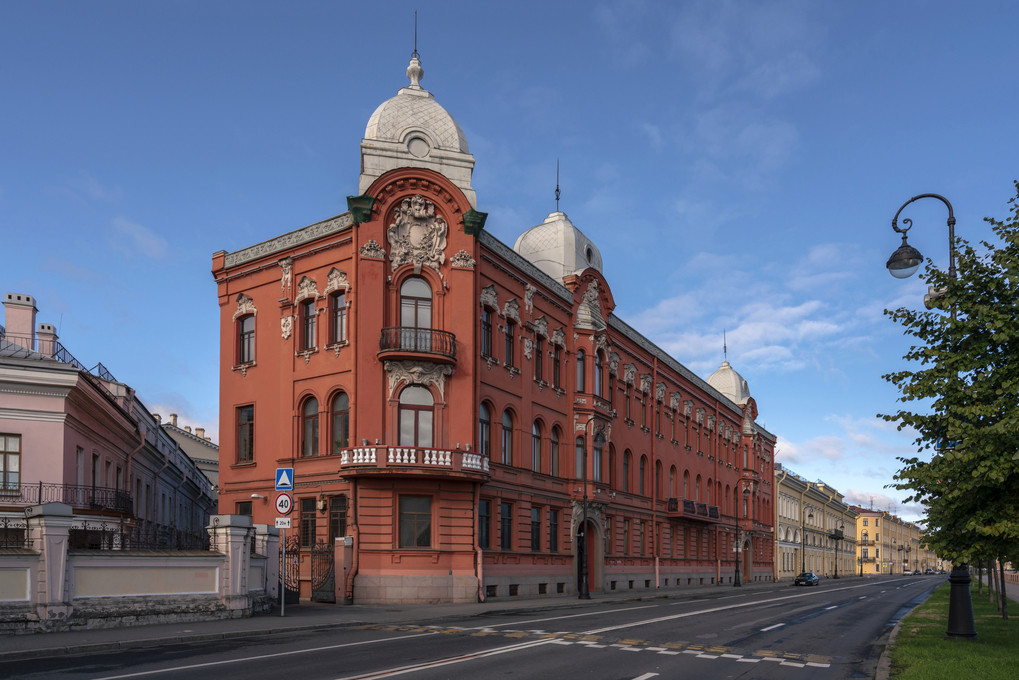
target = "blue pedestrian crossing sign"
x: 284, y: 479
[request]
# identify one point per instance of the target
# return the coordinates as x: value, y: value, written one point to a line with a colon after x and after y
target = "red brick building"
x: 448, y: 401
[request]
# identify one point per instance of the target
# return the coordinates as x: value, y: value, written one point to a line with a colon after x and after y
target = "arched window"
x: 581, y: 455
x: 598, y: 376
x: 536, y: 447
x: 484, y: 430
x: 672, y: 481
x: 580, y: 370
x: 554, y: 452
x: 709, y: 490
x: 643, y: 473
x: 246, y: 339
x: 596, y: 463
x: 416, y: 315
x: 341, y: 422
x: 309, y: 438
x: 612, y: 467
x: 416, y: 411
x: 627, y: 457
x: 507, y: 437
x: 338, y: 316
x: 728, y: 509
x: 697, y: 490
x: 308, y: 324
x: 658, y: 479
x: 686, y: 484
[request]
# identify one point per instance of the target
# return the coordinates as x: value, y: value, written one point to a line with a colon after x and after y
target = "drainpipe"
x: 778, y: 537
x: 478, y: 570
x: 654, y: 462
x: 354, y: 534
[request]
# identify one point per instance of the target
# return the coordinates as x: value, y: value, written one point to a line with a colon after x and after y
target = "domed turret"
x: 730, y: 383
x: 558, y: 248
x: 413, y: 130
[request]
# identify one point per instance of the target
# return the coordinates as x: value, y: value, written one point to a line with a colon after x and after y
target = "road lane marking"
x: 556, y: 618
x: 777, y: 625
x: 388, y: 673
x: 834, y: 607
x: 646, y: 676
x: 256, y: 658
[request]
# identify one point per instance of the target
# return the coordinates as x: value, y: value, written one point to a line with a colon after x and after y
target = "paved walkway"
x: 315, y: 616
x: 1011, y: 589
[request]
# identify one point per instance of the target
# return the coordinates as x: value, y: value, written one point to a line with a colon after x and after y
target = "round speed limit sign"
x: 284, y: 503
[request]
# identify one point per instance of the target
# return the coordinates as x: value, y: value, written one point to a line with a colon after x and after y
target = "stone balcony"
x: 402, y: 460
x: 681, y: 508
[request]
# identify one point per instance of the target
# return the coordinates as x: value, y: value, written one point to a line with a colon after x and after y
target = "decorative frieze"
x: 511, y: 310
x: 629, y: 373
x: 489, y: 298
x: 529, y: 292
x: 688, y: 408
x: 462, y: 260
x: 337, y: 280
x: 528, y: 346
x: 306, y: 288
x: 559, y: 337
x: 372, y: 250
x: 417, y: 234
x: 245, y: 305
x: 700, y: 416
x: 711, y: 422
x: 541, y: 327
x: 660, y: 392
x: 614, y: 364
x: 417, y: 373
x: 645, y: 383
x: 674, y: 401
x: 289, y: 240
x: 287, y: 326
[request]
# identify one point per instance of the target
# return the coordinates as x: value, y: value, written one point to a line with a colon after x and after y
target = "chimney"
x: 20, y: 320
x: 47, y: 339
x: 200, y: 432
x: 173, y: 419
x: 208, y: 439
x: 159, y: 419
x: 187, y: 428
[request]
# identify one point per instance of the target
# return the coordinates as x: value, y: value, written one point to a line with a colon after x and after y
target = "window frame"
x: 535, y: 529
x: 338, y: 317
x: 247, y: 426
x: 337, y: 528
x: 339, y: 419
x: 485, y: 430
x: 505, y: 526
x: 308, y: 314
x: 509, y: 347
x: 539, y: 356
x: 553, y: 456
x: 536, y: 447
x: 580, y: 370
x: 415, y: 518
x: 484, y: 523
x: 553, y: 530
x: 486, y: 332
x: 312, y: 421
x: 417, y: 410
x: 309, y: 522
x: 245, y: 340
x: 507, y: 437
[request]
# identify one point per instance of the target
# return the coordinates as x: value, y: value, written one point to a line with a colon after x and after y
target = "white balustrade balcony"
x: 403, y: 460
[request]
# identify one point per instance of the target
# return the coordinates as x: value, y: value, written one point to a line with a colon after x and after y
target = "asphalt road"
x: 830, y: 631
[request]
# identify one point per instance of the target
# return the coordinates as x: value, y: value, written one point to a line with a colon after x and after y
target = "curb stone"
x: 884, y: 663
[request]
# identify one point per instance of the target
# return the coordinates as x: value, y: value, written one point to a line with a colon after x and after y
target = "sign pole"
x: 283, y: 576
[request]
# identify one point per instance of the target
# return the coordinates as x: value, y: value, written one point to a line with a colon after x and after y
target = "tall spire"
x: 557, y: 185
x: 414, y: 54
x: 725, y: 349
x: 414, y: 70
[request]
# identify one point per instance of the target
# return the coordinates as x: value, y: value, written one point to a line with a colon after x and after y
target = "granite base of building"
x: 414, y: 589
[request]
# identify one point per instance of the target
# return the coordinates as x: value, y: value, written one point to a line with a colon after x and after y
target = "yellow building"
x: 888, y: 544
x: 814, y: 528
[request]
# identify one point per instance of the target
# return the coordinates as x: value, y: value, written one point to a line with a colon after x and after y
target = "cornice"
x: 517, y: 260
x: 297, y: 237
x: 28, y: 414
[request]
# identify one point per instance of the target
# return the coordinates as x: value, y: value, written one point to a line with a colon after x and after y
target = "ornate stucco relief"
x: 287, y: 326
x: 598, y: 342
x: 337, y: 280
x: 614, y: 363
x: 417, y: 234
x: 489, y: 298
x: 462, y: 260
x: 372, y: 250
x: 286, y: 264
x: 688, y: 408
x: 674, y: 401
x: 589, y: 311
x: 245, y: 305
x: 529, y: 292
x: 511, y: 310
x: 660, y: 392
x: 559, y: 337
x: 629, y: 373
x: 306, y: 288
x: 289, y: 240
x: 528, y: 346
x: 700, y: 416
x: 645, y: 383
x: 541, y: 327
x: 711, y: 421
x: 417, y: 373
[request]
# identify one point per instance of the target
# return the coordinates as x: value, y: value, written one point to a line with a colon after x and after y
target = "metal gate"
x: 323, y: 573
x: 290, y: 572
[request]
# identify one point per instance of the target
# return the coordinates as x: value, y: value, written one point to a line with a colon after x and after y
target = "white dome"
x: 558, y: 248
x: 414, y: 109
x: 730, y: 383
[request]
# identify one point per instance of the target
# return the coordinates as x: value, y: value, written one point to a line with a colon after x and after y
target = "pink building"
x: 78, y: 436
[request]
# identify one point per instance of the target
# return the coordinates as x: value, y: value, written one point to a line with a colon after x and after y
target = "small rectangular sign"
x: 282, y: 522
x: 284, y: 479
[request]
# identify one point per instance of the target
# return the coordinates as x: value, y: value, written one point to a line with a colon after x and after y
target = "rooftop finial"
x: 557, y: 185
x: 414, y: 70
x: 725, y: 349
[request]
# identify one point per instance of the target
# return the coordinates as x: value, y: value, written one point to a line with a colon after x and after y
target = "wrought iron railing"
x: 14, y: 533
x: 91, y: 497
x: 135, y: 535
x: 53, y: 348
x: 689, y: 507
x: 425, y: 340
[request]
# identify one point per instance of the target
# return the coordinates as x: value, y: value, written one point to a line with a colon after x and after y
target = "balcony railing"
x: 406, y: 458
x: 418, y: 341
x: 83, y: 497
x: 136, y: 535
x: 691, y: 509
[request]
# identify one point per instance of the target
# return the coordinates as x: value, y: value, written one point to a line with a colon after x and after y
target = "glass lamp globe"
x: 904, y: 261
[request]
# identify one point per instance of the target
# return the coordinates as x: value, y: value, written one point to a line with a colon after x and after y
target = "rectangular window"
x: 339, y: 318
x: 95, y: 470
x: 79, y: 470
x: 539, y: 356
x: 627, y: 409
x: 864, y: 521
x: 510, y: 329
x: 877, y: 521
x: 308, y: 325
x: 120, y: 478
x: 337, y: 518
x: 535, y: 530
x: 609, y: 535
x: 557, y: 367
x: 612, y: 392
x: 10, y: 462
x: 244, y: 508
x: 553, y: 530
x: 627, y: 545
x: 245, y: 434
x: 506, y: 526
x: 866, y: 553
x: 308, y: 516
x: 415, y: 522
x: 639, y: 528
x: 486, y: 332
x: 484, y: 524
x: 246, y: 339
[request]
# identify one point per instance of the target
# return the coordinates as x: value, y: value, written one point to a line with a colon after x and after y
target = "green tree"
x: 966, y: 371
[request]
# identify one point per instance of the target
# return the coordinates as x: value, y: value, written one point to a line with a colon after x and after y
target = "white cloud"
x: 131, y: 238
x: 654, y: 134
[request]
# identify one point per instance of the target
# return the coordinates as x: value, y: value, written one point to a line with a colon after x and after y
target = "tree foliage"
x: 967, y: 370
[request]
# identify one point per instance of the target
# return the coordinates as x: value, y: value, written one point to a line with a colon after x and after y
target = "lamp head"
x: 904, y: 261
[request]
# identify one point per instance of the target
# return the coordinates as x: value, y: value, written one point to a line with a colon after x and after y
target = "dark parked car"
x: 917, y: 572
x: 808, y: 579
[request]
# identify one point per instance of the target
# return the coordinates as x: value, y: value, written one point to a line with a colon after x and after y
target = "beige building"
x: 814, y: 528
x: 199, y: 448
x: 888, y: 544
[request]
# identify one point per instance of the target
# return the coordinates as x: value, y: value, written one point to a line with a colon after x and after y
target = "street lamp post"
x: 738, y: 546
x: 860, y: 560
x: 837, y: 535
x: 902, y: 264
x: 803, y: 541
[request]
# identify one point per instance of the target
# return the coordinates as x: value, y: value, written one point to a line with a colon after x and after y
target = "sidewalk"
x: 1011, y: 589
x: 316, y: 616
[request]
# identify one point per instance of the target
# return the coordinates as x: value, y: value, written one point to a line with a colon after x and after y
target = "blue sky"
x: 737, y: 163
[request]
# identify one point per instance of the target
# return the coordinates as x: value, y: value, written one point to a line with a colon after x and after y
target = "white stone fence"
x: 47, y: 587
